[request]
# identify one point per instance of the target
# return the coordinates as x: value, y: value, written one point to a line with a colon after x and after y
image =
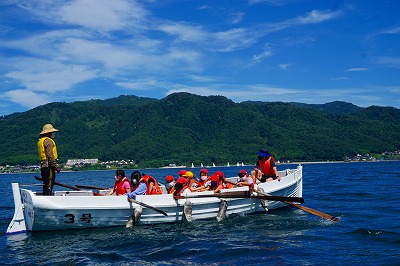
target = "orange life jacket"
x: 190, y: 183
x: 266, y: 168
x: 119, y: 189
x: 224, y: 185
x: 156, y: 188
x: 183, y: 189
x: 201, y: 182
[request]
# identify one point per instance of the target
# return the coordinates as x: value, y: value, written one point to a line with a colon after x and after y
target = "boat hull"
x: 80, y: 209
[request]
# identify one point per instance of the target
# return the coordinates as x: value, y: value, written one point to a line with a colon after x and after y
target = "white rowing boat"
x: 82, y: 209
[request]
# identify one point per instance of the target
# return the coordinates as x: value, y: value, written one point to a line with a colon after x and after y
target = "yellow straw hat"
x: 48, y: 128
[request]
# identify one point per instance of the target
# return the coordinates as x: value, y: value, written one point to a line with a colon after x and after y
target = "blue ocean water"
x: 364, y: 195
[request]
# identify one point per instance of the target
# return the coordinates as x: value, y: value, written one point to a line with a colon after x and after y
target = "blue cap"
x: 264, y: 153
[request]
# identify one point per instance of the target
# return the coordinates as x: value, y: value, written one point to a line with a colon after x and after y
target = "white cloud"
x: 185, y: 32
x: 45, y: 44
x: 355, y: 69
x: 237, y: 17
x: 102, y: 15
x: 98, y: 15
x: 340, y: 78
x: 313, y: 17
x: 27, y: 98
x: 234, y: 39
x: 223, y: 41
x: 201, y: 79
x: 284, y: 66
x: 106, y: 54
x: 261, y: 56
x: 40, y: 75
x: 316, y: 16
x: 394, y: 30
x: 388, y: 61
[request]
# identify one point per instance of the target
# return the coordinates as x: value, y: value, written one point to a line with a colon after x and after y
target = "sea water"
x: 365, y: 196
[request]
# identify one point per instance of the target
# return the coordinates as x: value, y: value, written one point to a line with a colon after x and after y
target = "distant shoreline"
x: 246, y: 165
x: 322, y: 162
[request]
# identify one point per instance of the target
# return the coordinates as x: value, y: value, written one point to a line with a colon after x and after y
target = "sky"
x: 307, y: 51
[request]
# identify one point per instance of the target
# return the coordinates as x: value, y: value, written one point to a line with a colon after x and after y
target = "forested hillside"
x: 184, y: 128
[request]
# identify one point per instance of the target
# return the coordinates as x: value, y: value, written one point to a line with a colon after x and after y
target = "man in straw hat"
x: 48, y: 155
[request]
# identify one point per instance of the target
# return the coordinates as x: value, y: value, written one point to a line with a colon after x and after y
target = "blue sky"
x: 309, y: 51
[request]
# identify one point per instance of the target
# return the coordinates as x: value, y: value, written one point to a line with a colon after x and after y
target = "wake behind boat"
x: 87, y: 209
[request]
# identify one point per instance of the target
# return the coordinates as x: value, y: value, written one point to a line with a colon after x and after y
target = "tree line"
x: 184, y: 128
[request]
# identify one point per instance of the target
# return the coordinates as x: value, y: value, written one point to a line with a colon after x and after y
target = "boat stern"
x: 17, y: 224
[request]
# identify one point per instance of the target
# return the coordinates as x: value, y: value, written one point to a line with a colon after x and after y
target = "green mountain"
x: 183, y: 128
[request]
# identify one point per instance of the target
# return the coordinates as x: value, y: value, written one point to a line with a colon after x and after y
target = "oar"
x: 59, y: 184
x: 66, y: 186
x: 304, y: 208
x: 129, y: 199
x: 147, y: 206
x: 242, y: 194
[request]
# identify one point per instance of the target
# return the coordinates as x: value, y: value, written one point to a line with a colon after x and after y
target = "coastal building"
x: 79, y: 162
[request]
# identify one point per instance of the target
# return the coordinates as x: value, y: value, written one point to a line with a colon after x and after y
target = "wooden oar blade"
x: 317, y: 213
x: 304, y: 208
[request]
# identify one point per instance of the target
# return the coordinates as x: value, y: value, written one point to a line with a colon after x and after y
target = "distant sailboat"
x: 227, y: 164
x: 213, y: 165
x: 192, y: 165
x: 242, y: 164
x: 237, y: 164
x: 201, y: 165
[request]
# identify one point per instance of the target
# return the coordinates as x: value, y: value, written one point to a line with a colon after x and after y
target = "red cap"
x: 169, y: 178
x: 216, y: 176
x: 219, y: 173
x: 243, y: 172
x: 182, y: 172
x: 204, y: 170
x: 181, y: 180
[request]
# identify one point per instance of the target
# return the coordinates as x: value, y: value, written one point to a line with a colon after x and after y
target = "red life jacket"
x: 266, y: 167
x: 156, y: 188
x: 119, y: 189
